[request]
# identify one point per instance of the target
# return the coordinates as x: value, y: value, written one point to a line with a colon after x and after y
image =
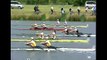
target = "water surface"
x: 53, y: 55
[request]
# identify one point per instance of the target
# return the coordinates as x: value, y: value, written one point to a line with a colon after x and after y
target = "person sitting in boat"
x: 35, y: 26
x: 76, y: 30
x: 31, y: 43
x: 58, y: 23
x: 44, y: 25
x: 41, y: 35
x: 66, y: 30
x: 47, y: 43
x: 71, y: 29
x: 65, y: 23
x: 52, y: 35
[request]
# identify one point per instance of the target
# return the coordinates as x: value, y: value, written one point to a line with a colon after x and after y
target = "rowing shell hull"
x: 75, y: 41
x: 50, y: 49
x: 85, y: 35
x: 57, y: 29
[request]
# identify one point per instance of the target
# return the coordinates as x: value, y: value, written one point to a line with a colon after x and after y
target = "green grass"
x: 28, y: 13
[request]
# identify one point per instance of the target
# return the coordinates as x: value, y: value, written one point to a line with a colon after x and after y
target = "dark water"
x: 54, y: 55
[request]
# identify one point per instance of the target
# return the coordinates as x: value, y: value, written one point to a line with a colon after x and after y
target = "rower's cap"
x: 32, y: 38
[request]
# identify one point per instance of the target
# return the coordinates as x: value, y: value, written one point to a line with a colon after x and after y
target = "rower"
x: 35, y: 26
x: 32, y: 43
x: 66, y: 31
x: 71, y: 29
x: 65, y: 23
x: 76, y: 30
x: 53, y: 35
x: 47, y: 43
x: 58, y: 23
x: 41, y: 35
x: 44, y: 25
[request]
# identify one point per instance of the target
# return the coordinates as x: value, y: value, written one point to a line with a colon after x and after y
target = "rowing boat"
x: 57, y: 29
x: 48, y: 25
x: 85, y: 26
x: 85, y: 35
x: 39, y: 40
x: 57, y: 49
x: 80, y: 34
x: 79, y: 26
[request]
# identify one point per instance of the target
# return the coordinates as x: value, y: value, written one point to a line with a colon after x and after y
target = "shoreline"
x: 28, y: 14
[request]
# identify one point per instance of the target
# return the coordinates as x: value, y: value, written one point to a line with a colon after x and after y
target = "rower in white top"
x: 52, y: 35
x: 66, y: 30
x: 35, y: 25
x: 41, y: 35
x: 65, y: 23
x: 71, y: 29
x: 58, y: 23
x: 44, y: 25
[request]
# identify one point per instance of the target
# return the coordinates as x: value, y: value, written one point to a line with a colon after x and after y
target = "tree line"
x: 56, y: 2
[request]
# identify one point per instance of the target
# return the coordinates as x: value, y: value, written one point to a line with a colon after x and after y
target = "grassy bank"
x: 28, y: 13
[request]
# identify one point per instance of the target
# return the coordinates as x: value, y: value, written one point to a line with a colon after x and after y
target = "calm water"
x: 53, y: 55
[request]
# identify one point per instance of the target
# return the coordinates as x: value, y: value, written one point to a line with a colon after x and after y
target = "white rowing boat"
x: 70, y: 35
x: 78, y: 26
x: 51, y: 49
x: 85, y: 35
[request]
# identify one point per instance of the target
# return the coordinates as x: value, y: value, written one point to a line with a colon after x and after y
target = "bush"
x: 54, y: 17
x: 74, y: 17
x: 37, y: 17
x: 82, y: 18
x: 63, y: 17
x: 43, y: 17
x: 91, y: 18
